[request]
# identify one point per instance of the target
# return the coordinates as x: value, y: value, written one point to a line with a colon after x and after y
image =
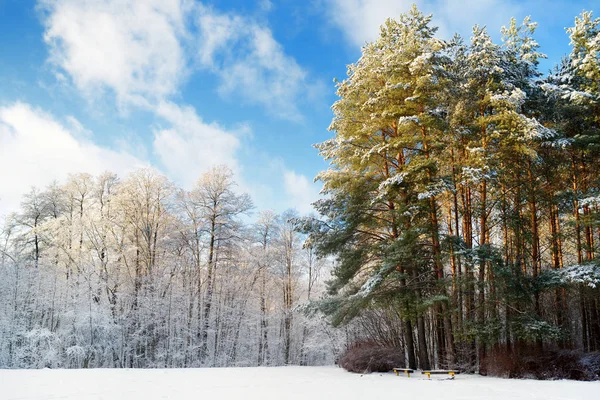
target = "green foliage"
x: 531, y: 328
x: 455, y: 172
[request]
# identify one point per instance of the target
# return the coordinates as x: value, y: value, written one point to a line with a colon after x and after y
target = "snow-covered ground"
x: 273, y: 383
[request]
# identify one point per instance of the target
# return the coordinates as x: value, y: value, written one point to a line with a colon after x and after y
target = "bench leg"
x: 408, y: 373
x: 428, y: 375
x: 396, y: 372
x: 451, y: 374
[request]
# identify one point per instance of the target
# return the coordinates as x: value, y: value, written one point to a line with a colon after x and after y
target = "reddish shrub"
x: 500, y: 362
x: 364, y: 357
x: 537, y: 364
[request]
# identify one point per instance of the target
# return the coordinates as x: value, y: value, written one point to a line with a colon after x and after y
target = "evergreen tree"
x: 449, y: 190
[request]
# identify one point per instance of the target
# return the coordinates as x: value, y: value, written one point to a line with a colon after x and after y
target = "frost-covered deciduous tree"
x: 134, y: 272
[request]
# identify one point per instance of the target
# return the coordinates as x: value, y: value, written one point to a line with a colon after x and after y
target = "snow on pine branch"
x: 406, y: 120
x: 559, y: 143
x: 474, y: 175
x: 373, y: 282
x: 590, y: 201
x: 369, y: 286
x: 514, y: 98
x: 586, y: 274
x: 578, y: 96
x: 420, y: 62
x: 387, y: 185
x: 535, y: 130
x: 433, y: 190
x: 394, y: 180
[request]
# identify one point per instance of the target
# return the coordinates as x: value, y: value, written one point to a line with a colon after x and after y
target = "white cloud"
x: 36, y: 149
x: 141, y: 51
x: 191, y: 146
x: 301, y: 192
x: 250, y: 63
x: 265, y: 5
x: 360, y: 20
x: 130, y: 47
x: 460, y: 15
x: 136, y: 49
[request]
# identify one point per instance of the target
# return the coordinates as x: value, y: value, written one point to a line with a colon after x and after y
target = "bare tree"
x: 220, y: 207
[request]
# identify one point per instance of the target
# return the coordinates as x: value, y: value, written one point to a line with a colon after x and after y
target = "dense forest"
x: 463, y: 201
x: 103, y: 272
x: 460, y: 220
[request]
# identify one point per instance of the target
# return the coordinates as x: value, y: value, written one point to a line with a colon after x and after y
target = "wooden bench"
x: 407, y: 371
x: 440, y: 372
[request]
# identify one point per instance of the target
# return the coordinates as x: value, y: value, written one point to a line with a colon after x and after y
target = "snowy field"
x: 273, y: 383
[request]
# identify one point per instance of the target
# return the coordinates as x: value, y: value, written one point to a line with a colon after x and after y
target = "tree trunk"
x: 209, y: 292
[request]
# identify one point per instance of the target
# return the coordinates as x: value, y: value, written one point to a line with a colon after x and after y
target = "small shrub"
x: 500, y: 362
x: 591, y: 363
x: 367, y: 356
x: 543, y: 365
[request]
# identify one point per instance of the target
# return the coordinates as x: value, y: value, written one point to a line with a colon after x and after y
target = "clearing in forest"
x: 273, y: 383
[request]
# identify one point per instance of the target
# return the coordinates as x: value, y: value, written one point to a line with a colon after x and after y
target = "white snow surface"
x: 274, y: 383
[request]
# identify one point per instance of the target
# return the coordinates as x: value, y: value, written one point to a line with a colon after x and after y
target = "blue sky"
x: 181, y: 85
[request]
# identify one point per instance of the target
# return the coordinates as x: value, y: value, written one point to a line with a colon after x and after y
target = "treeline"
x: 464, y: 194
x: 103, y: 272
